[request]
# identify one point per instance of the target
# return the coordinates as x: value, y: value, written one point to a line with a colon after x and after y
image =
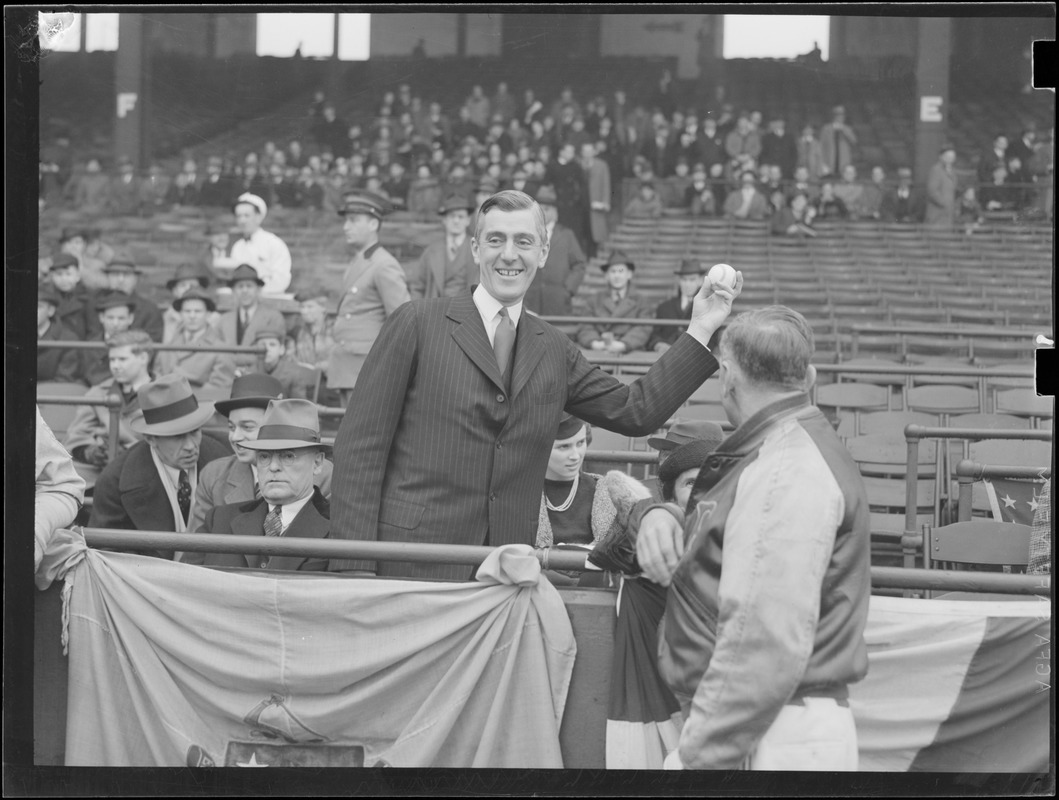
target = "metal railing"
x: 192, y: 348
x: 113, y: 405
x: 550, y: 558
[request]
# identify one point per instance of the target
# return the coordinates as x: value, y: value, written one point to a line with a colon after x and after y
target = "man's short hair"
x: 139, y: 341
x: 513, y: 200
x: 772, y: 346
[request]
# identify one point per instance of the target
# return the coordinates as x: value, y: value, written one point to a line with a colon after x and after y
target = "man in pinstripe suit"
x: 441, y: 446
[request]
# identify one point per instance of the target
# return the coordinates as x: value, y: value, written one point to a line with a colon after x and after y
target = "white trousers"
x: 819, y: 736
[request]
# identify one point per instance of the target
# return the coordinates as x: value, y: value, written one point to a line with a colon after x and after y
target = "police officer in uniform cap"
x: 373, y: 287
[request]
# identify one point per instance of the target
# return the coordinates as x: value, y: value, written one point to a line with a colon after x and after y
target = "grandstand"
x: 925, y: 335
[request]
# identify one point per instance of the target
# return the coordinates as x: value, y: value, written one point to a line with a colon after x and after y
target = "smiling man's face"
x: 508, y: 251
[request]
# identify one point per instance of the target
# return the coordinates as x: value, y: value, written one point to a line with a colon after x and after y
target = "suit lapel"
x: 144, y: 497
x: 529, y: 350
x: 251, y: 523
x: 240, y: 483
x: 471, y: 337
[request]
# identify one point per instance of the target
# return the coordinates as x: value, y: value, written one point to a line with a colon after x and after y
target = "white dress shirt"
x: 268, y: 254
x: 489, y: 307
x: 288, y: 512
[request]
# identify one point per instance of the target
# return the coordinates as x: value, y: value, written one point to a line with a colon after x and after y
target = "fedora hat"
x: 271, y: 332
x: 195, y: 294
x: 257, y: 203
x: 618, y: 257
x: 169, y: 408
x: 689, y: 430
x: 456, y: 202
x: 288, y: 425
x: 244, y: 272
x: 255, y: 390
x: 689, y: 455
x: 188, y: 272
x: 691, y: 266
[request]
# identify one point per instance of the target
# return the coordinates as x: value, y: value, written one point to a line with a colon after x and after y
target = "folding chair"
x: 849, y: 399
x: 1024, y: 403
x: 979, y: 542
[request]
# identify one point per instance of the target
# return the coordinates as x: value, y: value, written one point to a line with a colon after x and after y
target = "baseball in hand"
x: 722, y: 274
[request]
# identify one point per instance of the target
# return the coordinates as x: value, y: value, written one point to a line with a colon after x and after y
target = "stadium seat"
x: 979, y: 543
x: 944, y: 400
x: 1024, y: 403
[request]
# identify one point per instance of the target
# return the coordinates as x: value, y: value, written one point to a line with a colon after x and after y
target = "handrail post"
x: 911, y: 541
x: 966, y: 478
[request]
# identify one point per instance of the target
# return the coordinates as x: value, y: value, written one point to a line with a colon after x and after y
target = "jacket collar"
x: 748, y: 434
x: 312, y: 522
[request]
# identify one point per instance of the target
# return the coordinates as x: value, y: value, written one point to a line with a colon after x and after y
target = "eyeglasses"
x: 286, y: 457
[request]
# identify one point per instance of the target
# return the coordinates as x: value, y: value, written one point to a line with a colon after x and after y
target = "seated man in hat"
x: 373, y: 287
x: 74, y: 299
x: 250, y: 315
x: 187, y: 277
x: 689, y: 277
x: 556, y: 283
x: 129, y: 357
x: 261, y: 249
x: 55, y: 363
x: 74, y: 242
x: 289, y: 457
x: 114, y: 314
x: 150, y: 486
x: 209, y: 373
x: 233, y: 479
x: 904, y: 202
x: 445, y: 265
x: 619, y: 301
x: 680, y: 433
x: 645, y: 204
x: 123, y: 275
x: 297, y: 380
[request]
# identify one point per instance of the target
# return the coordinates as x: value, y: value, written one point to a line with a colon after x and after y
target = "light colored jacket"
x: 59, y: 490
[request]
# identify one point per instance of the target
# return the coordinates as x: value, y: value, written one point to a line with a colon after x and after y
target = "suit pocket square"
x: 400, y: 513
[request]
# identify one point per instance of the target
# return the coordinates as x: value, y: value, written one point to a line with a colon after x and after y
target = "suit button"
x: 492, y: 497
x: 264, y: 563
x: 500, y: 398
x: 499, y: 445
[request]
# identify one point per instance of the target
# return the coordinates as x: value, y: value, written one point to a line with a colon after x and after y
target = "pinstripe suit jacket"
x: 433, y: 449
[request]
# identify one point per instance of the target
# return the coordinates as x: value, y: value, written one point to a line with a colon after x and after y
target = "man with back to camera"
x: 768, y: 569
x: 449, y: 430
x: 261, y: 249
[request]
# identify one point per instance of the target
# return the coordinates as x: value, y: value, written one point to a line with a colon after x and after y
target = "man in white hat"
x: 262, y: 250
x: 149, y: 487
x: 289, y: 458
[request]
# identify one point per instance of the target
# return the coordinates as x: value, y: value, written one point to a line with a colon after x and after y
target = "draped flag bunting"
x: 173, y: 664
x: 955, y: 686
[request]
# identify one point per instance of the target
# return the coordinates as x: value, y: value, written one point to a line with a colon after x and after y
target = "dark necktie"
x: 273, y: 523
x: 504, y: 344
x: 241, y: 327
x: 183, y: 494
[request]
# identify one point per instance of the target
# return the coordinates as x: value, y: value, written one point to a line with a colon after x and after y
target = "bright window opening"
x: 354, y: 37
x: 761, y: 36
x: 283, y: 34
x: 102, y: 32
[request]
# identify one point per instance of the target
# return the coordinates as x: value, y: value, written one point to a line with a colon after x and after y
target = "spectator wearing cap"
x: 682, y: 432
x: 55, y: 364
x: 902, y: 203
x: 556, y: 283
x: 689, y: 280
x: 185, y: 278
x: 941, y: 190
x: 597, y: 178
x: 123, y: 191
x: 313, y: 337
x: 74, y: 242
x: 646, y: 203
x: 250, y: 315
x: 296, y: 379
x: 123, y: 275
x: 128, y: 356
x: 217, y: 189
x: 75, y: 303
x: 210, y: 373
x: 837, y: 141
x: 150, y: 486
x: 234, y: 479
x: 289, y: 457
x: 810, y: 154
x: 373, y: 287
x: 114, y: 314
x: 446, y: 267
x: 748, y: 202
x: 618, y: 301
x: 253, y: 245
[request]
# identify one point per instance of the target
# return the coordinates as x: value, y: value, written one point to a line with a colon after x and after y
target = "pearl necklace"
x: 569, y: 499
